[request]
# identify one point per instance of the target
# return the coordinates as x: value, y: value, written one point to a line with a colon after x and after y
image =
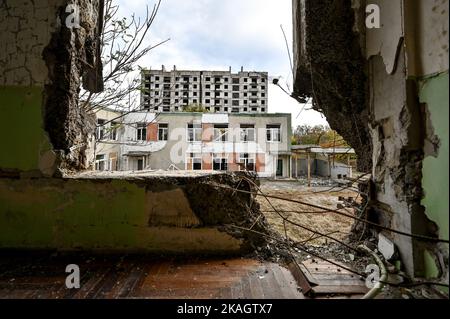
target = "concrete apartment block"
x: 217, y: 91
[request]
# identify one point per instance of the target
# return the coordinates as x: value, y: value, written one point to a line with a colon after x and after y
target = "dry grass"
x: 324, y: 222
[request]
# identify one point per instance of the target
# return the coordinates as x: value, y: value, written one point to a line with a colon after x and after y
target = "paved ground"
x: 35, y: 275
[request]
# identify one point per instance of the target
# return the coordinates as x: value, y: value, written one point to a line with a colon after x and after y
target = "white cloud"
x: 216, y: 34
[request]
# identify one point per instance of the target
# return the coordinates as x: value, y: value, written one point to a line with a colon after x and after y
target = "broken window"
x: 247, y: 162
x: 273, y: 132
x: 196, y: 161
x: 100, y: 162
x: 113, y: 131
x: 194, y: 133
x: 221, y: 132
x: 163, y: 132
x: 100, y: 132
x: 141, y: 132
x: 220, y: 162
x: 247, y: 133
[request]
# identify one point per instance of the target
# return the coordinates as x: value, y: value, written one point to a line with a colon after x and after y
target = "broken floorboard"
x: 32, y: 276
x: 333, y: 281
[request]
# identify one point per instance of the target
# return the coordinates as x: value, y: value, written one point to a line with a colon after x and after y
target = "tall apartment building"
x: 217, y: 91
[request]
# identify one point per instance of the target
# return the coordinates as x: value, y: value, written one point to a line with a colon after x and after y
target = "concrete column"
x: 308, y: 160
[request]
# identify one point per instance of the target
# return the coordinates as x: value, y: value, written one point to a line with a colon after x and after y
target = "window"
x: 235, y: 80
x: 217, y: 79
x: 273, y: 133
x: 221, y: 132
x: 156, y: 78
x: 195, y: 80
x: 226, y: 80
x: 100, y: 162
x: 245, y: 79
x: 195, y: 93
x: 235, y: 103
x: 220, y: 162
x: 245, y: 87
x: 194, y: 133
x: 225, y: 94
x: 186, y: 79
x: 217, y: 102
x: 254, y: 80
x: 247, y: 162
x: 207, y: 93
x: 157, y: 86
x: 208, y: 79
x: 141, y: 132
x: 247, y: 133
x: 163, y: 132
x: 235, y: 110
x: 113, y: 131
x: 235, y: 88
x: 226, y: 101
x: 245, y: 102
x: 235, y: 95
x: 100, y: 132
x: 166, y: 79
x: 207, y: 101
x: 217, y: 87
x: 208, y: 86
x: 196, y: 161
x: 225, y: 87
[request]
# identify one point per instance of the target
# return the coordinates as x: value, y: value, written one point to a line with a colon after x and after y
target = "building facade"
x: 216, y: 91
x: 200, y: 141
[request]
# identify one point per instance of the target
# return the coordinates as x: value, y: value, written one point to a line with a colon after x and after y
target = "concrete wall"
x: 106, y: 215
x: 403, y: 107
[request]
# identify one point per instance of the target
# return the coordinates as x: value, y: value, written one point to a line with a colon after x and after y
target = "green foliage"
x: 195, y: 108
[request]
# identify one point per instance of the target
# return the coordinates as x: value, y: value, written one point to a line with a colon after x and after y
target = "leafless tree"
x: 123, y: 45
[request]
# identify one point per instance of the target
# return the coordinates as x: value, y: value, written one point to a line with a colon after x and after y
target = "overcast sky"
x: 217, y: 34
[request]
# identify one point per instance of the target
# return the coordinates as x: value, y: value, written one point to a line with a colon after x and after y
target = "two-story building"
x: 204, y: 141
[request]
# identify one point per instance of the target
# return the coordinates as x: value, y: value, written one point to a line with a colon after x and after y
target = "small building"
x: 313, y: 160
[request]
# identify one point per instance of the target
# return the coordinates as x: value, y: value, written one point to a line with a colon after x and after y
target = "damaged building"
x: 186, y: 141
x: 385, y: 90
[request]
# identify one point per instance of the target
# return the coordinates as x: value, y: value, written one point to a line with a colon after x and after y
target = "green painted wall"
x: 434, y: 92
x: 109, y: 215
x: 21, y: 127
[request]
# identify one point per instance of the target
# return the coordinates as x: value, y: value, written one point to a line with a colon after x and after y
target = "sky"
x: 217, y: 34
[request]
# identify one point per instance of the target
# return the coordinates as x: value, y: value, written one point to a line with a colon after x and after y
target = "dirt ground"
x: 335, y: 225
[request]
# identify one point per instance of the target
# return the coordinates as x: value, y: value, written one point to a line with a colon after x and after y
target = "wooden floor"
x: 331, y: 281
x: 24, y: 275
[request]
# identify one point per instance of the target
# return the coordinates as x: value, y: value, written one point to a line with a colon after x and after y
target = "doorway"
x: 279, y: 167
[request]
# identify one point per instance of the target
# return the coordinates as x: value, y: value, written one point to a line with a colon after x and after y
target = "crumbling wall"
x: 39, y: 51
x: 331, y: 69
x: 156, y: 214
x: 408, y: 51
